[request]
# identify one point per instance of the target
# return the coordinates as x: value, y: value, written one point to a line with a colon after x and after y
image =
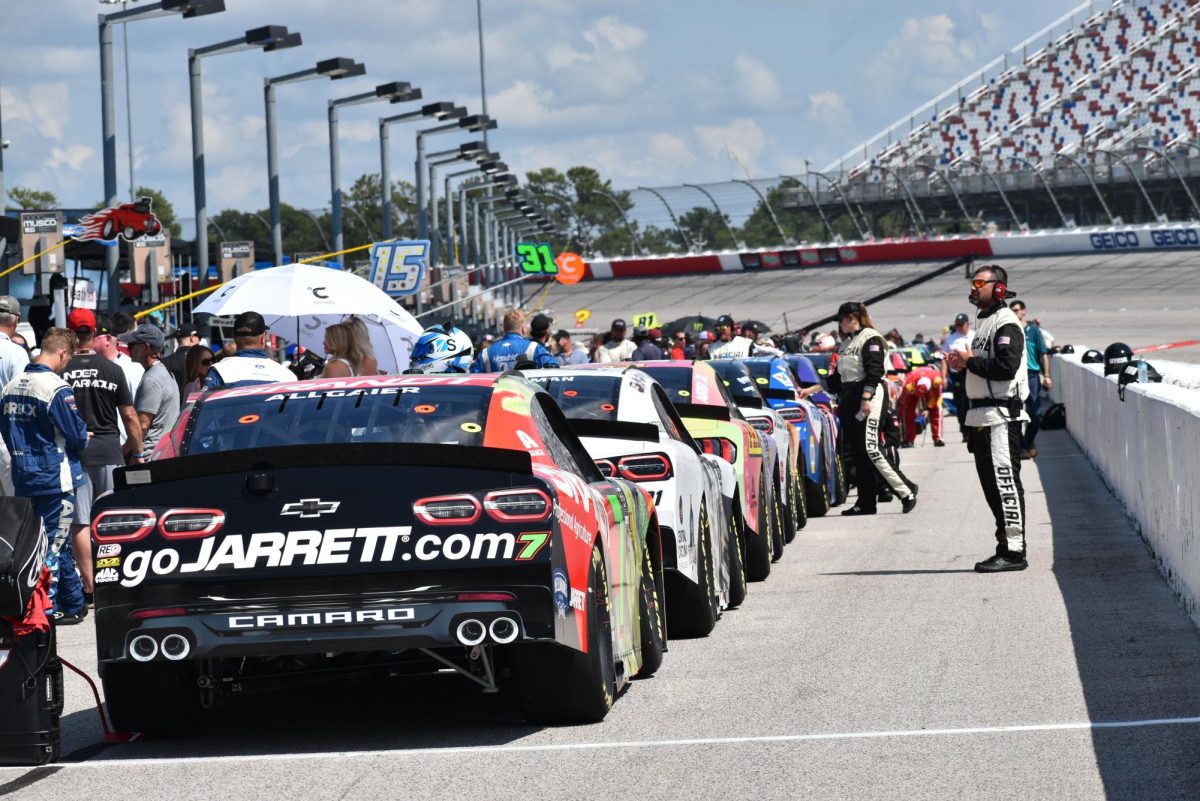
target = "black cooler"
x: 31, y: 678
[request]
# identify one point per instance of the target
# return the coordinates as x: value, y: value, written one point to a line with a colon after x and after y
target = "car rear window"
x: 584, y: 397
x: 677, y: 381
x: 739, y: 384
x: 446, y: 415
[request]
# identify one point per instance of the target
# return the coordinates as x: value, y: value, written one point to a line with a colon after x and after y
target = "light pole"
x: 482, y: 74
x: 478, y: 252
x: 438, y: 111
x: 473, y: 123
x: 268, y: 38
x: 108, y: 125
x: 394, y: 92
x: 488, y: 168
x: 464, y: 152
x: 333, y: 68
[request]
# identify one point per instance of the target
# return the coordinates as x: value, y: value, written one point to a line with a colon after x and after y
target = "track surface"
x: 1143, y: 299
x: 872, y: 664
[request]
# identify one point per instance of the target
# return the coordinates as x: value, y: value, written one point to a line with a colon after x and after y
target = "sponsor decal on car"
x: 108, y: 549
x: 578, y: 598
x: 109, y: 561
x: 287, y: 620
x: 273, y: 549
x: 561, y: 593
x: 108, y: 575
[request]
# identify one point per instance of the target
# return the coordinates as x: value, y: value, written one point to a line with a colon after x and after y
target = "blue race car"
x: 807, y: 375
x: 773, y: 375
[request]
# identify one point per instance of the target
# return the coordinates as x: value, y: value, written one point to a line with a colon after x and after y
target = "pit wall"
x: 1105, y: 239
x: 1147, y: 450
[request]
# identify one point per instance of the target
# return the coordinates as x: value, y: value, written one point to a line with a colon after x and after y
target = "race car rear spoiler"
x: 365, y: 454
x: 614, y: 429
x: 747, y: 402
x: 774, y: 393
x: 702, y: 411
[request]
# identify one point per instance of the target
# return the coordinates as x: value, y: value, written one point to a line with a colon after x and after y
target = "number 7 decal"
x: 531, y: 543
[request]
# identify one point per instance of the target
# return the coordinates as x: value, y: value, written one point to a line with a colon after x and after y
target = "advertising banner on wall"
x: 44, y: 227
x: 147, y: 249
x: 237, y: 258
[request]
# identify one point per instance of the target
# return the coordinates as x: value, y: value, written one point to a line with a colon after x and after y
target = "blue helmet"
x: 442, y: 349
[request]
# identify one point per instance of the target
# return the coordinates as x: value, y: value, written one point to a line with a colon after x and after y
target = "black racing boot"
x: 1001, y: 563
x: 857, y: 510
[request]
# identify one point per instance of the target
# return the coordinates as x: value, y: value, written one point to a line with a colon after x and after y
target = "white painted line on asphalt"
x: 632, y: 744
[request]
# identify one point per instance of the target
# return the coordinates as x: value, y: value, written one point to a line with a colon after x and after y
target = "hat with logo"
x: 9, y: 305
x: 184, y: 332
x: 144, y: 334
x: 725, y: 319
x: 249, y: 324
x: 82, y: 321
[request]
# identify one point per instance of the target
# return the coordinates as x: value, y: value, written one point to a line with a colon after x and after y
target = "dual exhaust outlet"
x: 503, y: 630
x: 174, y: 647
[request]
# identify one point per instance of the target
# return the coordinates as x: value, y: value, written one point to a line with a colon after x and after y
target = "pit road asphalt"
x: 873, y: 664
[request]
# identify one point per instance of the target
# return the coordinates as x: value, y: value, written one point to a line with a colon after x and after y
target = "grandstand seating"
x: 1125, y: 75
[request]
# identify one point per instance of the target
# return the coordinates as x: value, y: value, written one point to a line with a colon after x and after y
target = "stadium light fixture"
x: 473, y: 123
x: 267, y: 38
x: 395, y: 91
x: 333, y: 68
x: 188, y: 9
x: 440, y: 111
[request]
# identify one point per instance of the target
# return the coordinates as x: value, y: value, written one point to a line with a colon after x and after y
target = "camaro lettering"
x: 301, y: 619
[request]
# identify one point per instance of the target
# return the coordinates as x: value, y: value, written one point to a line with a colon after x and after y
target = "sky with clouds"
x: 649, y: 92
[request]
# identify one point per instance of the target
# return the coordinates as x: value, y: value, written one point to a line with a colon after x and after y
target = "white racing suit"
x: 860, y: 367
x: 997, y: 387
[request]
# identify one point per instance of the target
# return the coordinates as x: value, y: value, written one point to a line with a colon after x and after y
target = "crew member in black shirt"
x: 103, y: 398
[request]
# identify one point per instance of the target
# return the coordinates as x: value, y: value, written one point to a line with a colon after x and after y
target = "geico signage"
x: 1168, y: 238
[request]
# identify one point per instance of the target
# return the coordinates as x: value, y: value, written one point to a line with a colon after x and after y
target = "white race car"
x: 632, y: 431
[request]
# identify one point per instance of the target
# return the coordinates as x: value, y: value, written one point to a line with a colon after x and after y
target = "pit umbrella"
x: 299, y: 301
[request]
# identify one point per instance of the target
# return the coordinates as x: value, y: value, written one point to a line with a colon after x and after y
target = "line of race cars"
x: 542, y: 532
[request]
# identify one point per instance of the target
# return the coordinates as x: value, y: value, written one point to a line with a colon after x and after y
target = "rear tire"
x: 158, y: 699
x: 650, y: 616
x: 780, y: 522
x: 796, y: 506
x: 559, y: 685
x: 696, y: 613
x: 817, y: 494
x: 758, y: 544
x: 737, y: 564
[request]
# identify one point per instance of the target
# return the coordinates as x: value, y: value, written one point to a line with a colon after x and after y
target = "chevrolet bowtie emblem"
x: 310, y: 507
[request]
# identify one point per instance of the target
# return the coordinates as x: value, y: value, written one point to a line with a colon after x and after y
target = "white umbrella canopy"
x: 299, y: 301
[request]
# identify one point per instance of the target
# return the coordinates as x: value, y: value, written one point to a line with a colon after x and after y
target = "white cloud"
x: 828, y: 108
x: 926, y: 53
x: 669, y: 151
x: 45, y: 107
x: 610, y: 63
x: 756, y: 83
x: 73, y: 157
x: 742, y: 140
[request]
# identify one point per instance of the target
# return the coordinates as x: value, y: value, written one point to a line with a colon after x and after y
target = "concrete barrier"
x: 1147, y: 450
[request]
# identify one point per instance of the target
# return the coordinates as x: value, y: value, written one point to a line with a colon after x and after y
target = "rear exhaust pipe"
x: 504, y: 630
x: 143, y: 648
x: 176, y: 647
x: 471, y: 632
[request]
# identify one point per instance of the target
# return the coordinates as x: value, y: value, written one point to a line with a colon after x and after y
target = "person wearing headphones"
x: 860, y: 367
x: 997, y: 388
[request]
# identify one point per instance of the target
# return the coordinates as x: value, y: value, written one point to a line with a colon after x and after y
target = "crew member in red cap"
x: 922, y: 390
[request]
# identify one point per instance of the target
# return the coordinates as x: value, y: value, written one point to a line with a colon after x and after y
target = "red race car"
x: 129, y: 220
